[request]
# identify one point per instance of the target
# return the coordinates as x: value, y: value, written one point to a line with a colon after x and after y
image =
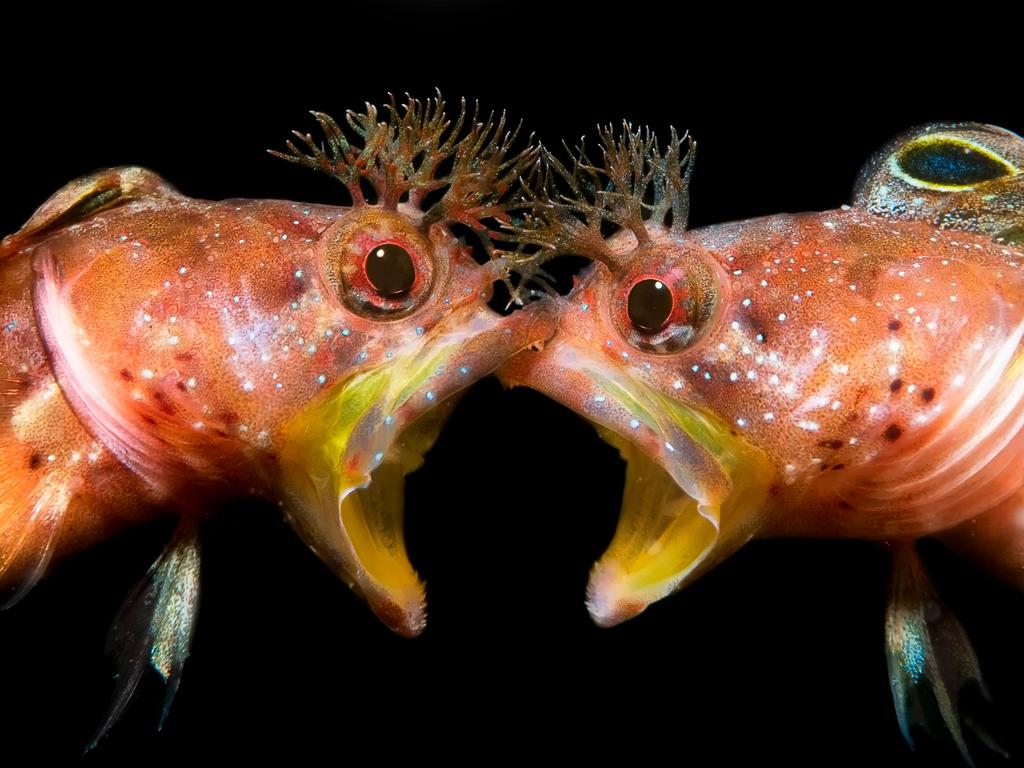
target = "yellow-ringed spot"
x: 948, y: 163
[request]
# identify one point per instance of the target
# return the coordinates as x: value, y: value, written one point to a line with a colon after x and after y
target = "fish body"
x: 853, y: 373
x: 161, y: 355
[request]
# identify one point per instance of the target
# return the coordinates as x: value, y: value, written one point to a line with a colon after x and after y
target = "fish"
x: 161, y: 355
x: 854, y: 373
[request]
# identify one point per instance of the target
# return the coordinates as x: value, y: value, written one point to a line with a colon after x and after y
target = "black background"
x: 777, y: 655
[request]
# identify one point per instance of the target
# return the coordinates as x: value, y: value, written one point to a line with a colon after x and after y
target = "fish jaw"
x: 694, y: 491
x: 344, y: 457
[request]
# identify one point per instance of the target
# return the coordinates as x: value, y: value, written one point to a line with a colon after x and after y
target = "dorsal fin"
x: 83, y: 197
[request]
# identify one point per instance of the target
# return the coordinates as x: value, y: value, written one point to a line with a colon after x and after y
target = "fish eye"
x: 380, y: 265
x: 665, y: 307
x: 945, y: 163
x: 649, y: 304
x: 390, y: 269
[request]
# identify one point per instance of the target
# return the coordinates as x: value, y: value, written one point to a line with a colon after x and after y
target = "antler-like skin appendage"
x: 401, y: 157
x: 633, y: 188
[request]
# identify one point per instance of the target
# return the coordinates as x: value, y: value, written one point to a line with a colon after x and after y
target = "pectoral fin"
x: 931, y: 661
x: 155, y: 625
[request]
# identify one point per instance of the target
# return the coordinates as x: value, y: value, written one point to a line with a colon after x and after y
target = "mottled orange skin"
x: 208, y: 326
x: 849, y: 348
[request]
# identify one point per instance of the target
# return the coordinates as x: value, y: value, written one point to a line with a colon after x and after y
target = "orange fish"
x: 853, y: 373
x: 160, y: 354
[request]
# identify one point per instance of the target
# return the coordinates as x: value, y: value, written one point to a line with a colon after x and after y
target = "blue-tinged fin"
x: 931, y: 660
x: 155, y: 625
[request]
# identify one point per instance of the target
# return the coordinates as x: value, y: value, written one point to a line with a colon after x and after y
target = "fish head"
x: 402, y: 305
x: 640, y: 315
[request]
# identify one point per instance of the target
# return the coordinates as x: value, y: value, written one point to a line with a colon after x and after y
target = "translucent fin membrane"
x: 155, y: 625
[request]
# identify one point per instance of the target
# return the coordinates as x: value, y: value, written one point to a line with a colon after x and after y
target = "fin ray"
x: 84, y: 197
x: 930, y: 658
x: 155, y: 625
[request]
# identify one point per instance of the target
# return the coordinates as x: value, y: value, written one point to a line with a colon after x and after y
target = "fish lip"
x: 344, y: 456
x: 707, y: 485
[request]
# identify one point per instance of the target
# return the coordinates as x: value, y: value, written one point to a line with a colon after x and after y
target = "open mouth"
x: 694, y: 489
x: 345, y: 457
x: 372, y: 515
x: 662, y: 534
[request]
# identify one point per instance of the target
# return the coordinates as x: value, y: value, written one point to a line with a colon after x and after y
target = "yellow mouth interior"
x: 373, y: 517
x: 344, y: 473
x: 666, y: 536
x: 661, y: 536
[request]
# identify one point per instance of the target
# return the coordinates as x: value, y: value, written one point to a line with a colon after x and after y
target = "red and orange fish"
x: 851, y: 373
x: 162, y: 354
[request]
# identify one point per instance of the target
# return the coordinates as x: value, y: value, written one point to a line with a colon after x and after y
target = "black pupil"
x: 650, y: 304
x: 390, y: 270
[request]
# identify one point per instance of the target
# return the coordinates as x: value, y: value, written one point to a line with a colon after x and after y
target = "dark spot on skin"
x: 126, y: 375
x: 228, y: 417
x: 928, y: 394
x: 181, y: 385
x: 823, y: 467
x: 34, y: 461
x: 161, y: 400
x: 833, y: 444
x: 892, y: 432
x: 732, y: 432
x: 838, y: 466
x: 183, y: 356
x: 866, y: 271
x: 844, y: 504
x: 895, y: 325
x: 774, y: 490
x: 149, y: 419
x: 895, y: 385
x: 220, y: 433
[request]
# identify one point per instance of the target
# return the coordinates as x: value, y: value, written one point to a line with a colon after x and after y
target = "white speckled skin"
x: 873, y: 358
x: 156, y: 355
x: 835, y: 330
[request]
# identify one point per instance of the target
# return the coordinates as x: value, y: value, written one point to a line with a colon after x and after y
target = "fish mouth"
x: 694, y: 489
x: 345, y: 457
